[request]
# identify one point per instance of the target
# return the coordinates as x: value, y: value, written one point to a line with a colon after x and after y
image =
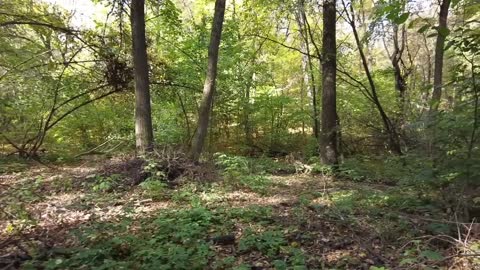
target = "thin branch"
x: 283, y: 45
x: 81, y: 105
x: 195, y: 88
x: 80, y: 95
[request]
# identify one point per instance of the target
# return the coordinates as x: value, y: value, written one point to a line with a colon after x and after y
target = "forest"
x: 240, y: 134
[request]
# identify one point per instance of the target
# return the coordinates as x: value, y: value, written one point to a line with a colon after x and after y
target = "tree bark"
x: 396, y: 58
x: 209, y: 86
x: 401, y: 75
x: 329, y: 143
x: 439, y: 51
x: 143, y: 114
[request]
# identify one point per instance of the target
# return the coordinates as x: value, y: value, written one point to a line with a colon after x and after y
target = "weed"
x: 267, y: 242
x: 259, y: 214
x: 237, y: 173
x: 154, y: 189
x: 187, y: 193
x: 106, y: 183
x: 173, y: 240
x: 322, y: 169
x: 256, y: 183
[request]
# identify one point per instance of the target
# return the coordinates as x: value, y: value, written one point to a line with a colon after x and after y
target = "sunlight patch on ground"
x: 242, y: 198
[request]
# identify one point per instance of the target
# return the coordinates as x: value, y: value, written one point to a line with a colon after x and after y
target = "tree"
x: 329, y: 139
x: 307, y: 65
x: 371, y: 93
x: 42, y: 82
x: 143, y: 114
x: 439, y: 52
x: 209, y: 86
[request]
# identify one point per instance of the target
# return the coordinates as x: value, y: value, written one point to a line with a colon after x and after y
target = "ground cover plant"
x: 215, y: 134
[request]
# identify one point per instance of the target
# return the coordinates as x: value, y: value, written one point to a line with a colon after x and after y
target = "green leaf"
x: 408, y: 261
x: 431, y: 255
x: 443, y: 31
x: 449, y: 45
x: 423, y: 28
x: 280, y: 265
x: 377, y: 268
x: 402, y: 19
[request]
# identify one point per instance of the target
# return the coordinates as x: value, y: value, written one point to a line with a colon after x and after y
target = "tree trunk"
x: 401, y: 75
x: 304, y: 86
x: 396, y: 58
x: 329, y: 144
x: 209, y: 86
x: 309, y: 77
x: 439, y: 51
x: 247, y: 111
x: 393, y: 138
x: 143, y: 114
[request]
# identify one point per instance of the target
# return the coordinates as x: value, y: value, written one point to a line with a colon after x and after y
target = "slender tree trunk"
x: 396, y: 58
x: 247, y: 111
x: 209, y: 86
x: 329, y: 143
x: 393, y: 138
x: 439, y: 51
x: 143, y: 114
x: 304, y: 88
x: 437, y: 78
x: 427, y: 78
x: 185, y: 115
x: 401, y: 75
x: 309, y: 77
x: 309, y: 83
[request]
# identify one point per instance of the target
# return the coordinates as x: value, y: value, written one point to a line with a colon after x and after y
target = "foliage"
x: 233, y: 166
x: 156, y: 189
x: 268, y: 242
x: 173, y: 241
x: 239, y: 172
x: 104, y: 184
x: 256, y: 183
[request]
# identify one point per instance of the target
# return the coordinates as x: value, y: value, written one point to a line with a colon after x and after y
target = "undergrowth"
x: 405, y: 219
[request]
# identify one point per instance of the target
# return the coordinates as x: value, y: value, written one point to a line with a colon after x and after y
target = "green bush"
x: 106, y: 183
x: 233, y: 166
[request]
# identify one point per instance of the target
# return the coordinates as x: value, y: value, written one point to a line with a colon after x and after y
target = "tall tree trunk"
x: 209, y: 86
x: 329, y: 143
x: 437, y: 77
x: 439, y: 51
x: 143, y: 114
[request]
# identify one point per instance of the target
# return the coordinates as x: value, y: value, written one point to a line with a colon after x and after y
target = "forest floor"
x: 71, y: 217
